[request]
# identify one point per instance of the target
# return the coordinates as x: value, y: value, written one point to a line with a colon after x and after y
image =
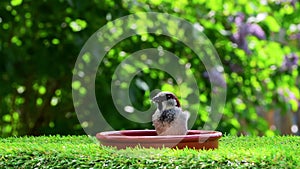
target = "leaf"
x: 16, y: 2
x: 78, y: 25
x: 272, y: 24
x: 294, y: 105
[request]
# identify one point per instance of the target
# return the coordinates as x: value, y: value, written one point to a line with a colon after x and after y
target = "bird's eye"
x: 169, y: 96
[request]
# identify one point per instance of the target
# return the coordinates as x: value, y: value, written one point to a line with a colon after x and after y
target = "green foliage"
x: 81, y: 152
x: 40, y: 41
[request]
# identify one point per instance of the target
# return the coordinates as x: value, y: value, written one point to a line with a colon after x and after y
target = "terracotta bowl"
x: 195, y: 139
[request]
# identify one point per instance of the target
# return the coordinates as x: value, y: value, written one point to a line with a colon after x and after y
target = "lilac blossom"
x: 245, y: 29
x: 295, y: 36
x: 215, y: 77
x: 290, y: 62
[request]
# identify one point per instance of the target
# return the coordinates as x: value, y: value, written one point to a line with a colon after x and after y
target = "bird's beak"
x: 154, y: 99
x: 157, y: 99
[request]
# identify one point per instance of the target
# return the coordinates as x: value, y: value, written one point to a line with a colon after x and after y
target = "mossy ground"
x: 82, y: 152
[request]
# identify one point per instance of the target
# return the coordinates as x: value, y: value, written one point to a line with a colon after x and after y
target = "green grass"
x: 82, y: 152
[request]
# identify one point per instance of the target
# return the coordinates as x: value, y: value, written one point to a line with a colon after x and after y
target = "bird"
x: 169, y: 119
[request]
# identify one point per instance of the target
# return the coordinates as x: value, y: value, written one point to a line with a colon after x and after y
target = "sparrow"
x: 169, y: 119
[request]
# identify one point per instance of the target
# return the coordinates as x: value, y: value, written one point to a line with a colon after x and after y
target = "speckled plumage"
x: 169, y: 119
x: 167, y: 115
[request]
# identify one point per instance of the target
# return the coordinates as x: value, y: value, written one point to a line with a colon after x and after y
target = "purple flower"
x: 293, y: 3
x: 245, y: 29
x: 257, y: 31
x: 295, y: 36
x: 240, y: 38
x: 239, y: 19
x: 290, y: 62
x: 215, y: 77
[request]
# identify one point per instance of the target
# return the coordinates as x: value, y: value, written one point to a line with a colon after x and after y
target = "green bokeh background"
x: 40, y: 42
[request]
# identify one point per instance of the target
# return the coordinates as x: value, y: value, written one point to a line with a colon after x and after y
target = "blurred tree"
x: 258, y: 43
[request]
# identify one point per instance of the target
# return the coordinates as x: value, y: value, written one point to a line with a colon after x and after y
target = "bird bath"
x: 195, y: 139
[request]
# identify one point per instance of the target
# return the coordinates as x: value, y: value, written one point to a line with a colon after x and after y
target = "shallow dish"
x: 195, y: 139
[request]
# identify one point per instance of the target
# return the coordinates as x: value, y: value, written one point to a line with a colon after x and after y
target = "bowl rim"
x: 192, y: 136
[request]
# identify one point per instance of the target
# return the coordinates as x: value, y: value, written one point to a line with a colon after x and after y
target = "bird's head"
x: 166, y: 100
